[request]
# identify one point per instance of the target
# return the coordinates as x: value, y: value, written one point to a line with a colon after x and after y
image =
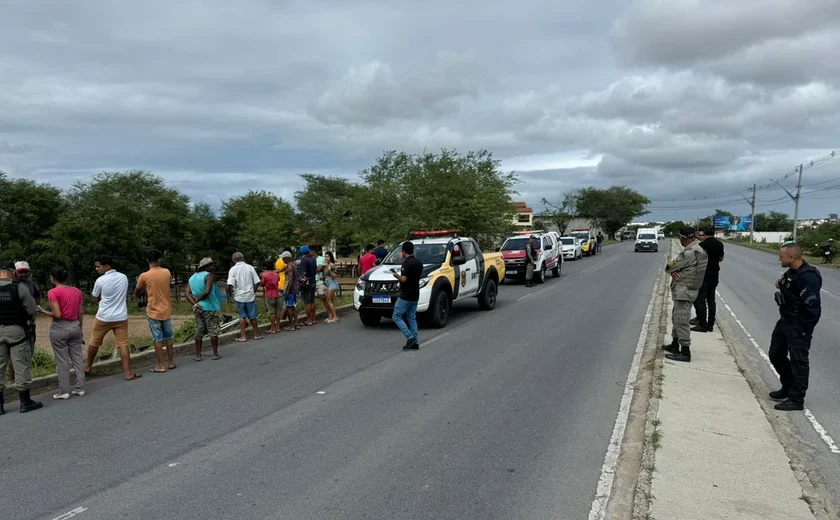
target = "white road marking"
x: 320, y: 392
x: 821, y: 431
x: 174, y: 464
x: 526, y: 296
x: 439, y: 336
x: 71, y: 514
x: 605, y: 482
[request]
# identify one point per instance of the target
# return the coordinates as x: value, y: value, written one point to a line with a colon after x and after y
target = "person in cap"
x: 530, y: 261
x: 687, y: 272
x: 242, y: 284
x: 23, y: 274
x: 17, y: 307
x: 203, y: 294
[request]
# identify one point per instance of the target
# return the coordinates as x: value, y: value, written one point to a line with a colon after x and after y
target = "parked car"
x: 571, y: 248
x: 549, y: 256
x: 588, y: 242
x: 454, y: 269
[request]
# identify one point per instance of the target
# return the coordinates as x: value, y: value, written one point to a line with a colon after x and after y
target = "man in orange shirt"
x: 154, y: 285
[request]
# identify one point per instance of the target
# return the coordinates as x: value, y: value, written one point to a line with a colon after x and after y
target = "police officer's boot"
x: 27, y: 404
x: 2, y: 409
x: 673, y: 348
x: 779, y: 395
x: 683, y: 356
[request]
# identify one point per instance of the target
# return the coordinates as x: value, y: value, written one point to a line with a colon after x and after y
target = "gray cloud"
x: 221, y: 98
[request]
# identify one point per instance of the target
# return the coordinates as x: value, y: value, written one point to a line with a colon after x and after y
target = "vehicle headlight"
x: 361, y: 284
x: 425, y: 281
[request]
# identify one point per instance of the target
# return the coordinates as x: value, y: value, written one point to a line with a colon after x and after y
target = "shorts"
x: 207, y: 322
x: 308, y: 295
x: 332, y: 284
x: 273, y: 305
x: 320, y: 289
x: 161, y: 330
x: 290, y: 300
x: 247, y: 310
x: 101, y: 328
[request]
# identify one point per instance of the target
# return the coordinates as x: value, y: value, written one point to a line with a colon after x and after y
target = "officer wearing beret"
x: 687, y: 272
x: 798, y: 297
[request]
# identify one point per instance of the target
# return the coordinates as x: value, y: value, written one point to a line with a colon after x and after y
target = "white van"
x: 647, y: 240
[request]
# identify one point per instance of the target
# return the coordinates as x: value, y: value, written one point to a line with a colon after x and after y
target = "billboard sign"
x: 733, y: 223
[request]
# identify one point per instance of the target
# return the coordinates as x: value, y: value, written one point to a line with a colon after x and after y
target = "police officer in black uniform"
x: 798, y: 297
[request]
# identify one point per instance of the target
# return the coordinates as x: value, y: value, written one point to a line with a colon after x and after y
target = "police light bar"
x: 419, y: 234
x: 537, y: 232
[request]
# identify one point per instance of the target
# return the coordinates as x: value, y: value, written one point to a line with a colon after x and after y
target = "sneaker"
x: 789, y: 406
x: 779, y: 395
x: 80, y: 393
x: 61, y: 396
x: 412, y: 344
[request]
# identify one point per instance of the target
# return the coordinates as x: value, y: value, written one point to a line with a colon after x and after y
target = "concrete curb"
x: 140, y: 359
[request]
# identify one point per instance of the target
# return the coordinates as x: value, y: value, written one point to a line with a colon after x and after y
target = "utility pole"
x: 795, y: 199
x: 796, y: 206
x: 752, y: 212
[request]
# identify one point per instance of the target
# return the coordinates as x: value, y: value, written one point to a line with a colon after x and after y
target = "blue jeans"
x: 161, y: 330
x: 247, y: 310
x: 408, y: 310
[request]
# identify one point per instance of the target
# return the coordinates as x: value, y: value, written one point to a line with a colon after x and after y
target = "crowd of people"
x: 313, y: 276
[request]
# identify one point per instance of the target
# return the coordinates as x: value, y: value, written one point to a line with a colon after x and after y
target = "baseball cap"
x: 285, y: 254
x: 304, y: 250
x: 687, y: 232
x: 22, y: 266
x: 7, y: 266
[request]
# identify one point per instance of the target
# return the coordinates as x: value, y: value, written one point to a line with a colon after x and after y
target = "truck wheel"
x: 370, y: 319
x: 541, y: 275
x: 487, y: 298
x: 556, y: 271
x: 438, y: 313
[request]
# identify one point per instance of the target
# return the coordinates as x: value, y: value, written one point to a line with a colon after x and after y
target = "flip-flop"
x: 133, y: 377
x: 240, y: 340
x: 172, y: 368
x: 156, y: 371
x: 270, y: 332
x: 258, y: 338
x: 197, y: 358
x: 216, y: 358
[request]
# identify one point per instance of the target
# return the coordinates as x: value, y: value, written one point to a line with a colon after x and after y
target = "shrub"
x: 42, y: 364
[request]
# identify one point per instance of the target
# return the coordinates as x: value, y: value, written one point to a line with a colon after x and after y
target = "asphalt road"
x: 747, y: 284
x: 503, y: 414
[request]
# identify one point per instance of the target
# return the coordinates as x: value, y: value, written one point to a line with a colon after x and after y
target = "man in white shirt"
x: 242, y: 283
x: 110, y: 291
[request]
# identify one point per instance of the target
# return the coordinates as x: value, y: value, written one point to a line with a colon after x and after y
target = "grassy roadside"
x: 774, y: 248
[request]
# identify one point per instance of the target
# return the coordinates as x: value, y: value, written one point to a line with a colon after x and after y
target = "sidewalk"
x: 718, y: 456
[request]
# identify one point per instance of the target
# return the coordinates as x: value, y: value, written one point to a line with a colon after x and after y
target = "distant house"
x: 524, y: 217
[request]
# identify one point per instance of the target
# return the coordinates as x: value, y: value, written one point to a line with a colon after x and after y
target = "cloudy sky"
x: 680, y: 99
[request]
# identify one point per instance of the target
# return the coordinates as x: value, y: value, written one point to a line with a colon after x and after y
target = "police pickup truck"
x: 454, y: 269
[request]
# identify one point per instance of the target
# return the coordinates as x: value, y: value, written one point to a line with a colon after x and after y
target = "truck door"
x: 470, y: 276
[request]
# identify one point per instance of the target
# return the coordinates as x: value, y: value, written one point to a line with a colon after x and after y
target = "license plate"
x: 512, y: 271
x: 381, y: 299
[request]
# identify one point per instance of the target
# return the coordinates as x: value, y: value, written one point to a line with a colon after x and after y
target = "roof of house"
x: 522, y: 207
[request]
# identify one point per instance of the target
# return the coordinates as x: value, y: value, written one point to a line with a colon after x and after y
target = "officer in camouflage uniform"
x: 687, y: 272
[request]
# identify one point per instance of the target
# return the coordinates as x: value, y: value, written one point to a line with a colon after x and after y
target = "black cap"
x: 7, y: 266
x: 687, y: 232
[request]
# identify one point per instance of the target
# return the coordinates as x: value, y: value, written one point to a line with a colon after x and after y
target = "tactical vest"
x: 791, y: 289
x: 12, y: 311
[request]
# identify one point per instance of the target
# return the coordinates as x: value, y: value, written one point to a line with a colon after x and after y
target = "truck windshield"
x: 568, y: 241
x: 581, y: 236
x: 518, y: 244
x: 647, y: 236
x: 429, y: 254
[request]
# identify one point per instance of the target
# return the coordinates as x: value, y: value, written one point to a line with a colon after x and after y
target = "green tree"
x: 773, y: 221
x: 328, y: 209
x: 259, y: 225
x: 672, y: 229
x: 613, y: 208
x: 28, y: 210
x: 431, y: 191
x: 124, y: 215
x: 562, y: 213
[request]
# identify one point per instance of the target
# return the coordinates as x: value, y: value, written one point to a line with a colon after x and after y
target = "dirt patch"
x: 138, y: 330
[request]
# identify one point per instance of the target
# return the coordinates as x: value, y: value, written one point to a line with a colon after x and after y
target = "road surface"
x: 503, y: 414
x: 747, y: 281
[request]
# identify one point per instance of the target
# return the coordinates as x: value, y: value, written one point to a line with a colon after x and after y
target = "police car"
x: 454, y: 269
x: 549, y: 255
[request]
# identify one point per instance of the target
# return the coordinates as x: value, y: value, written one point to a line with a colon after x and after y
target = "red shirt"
x: 69, y: 299
x: 367, y: 262
x: 270, y: 279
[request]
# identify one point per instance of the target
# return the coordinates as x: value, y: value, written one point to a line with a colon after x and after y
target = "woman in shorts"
x: 331, y: 281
